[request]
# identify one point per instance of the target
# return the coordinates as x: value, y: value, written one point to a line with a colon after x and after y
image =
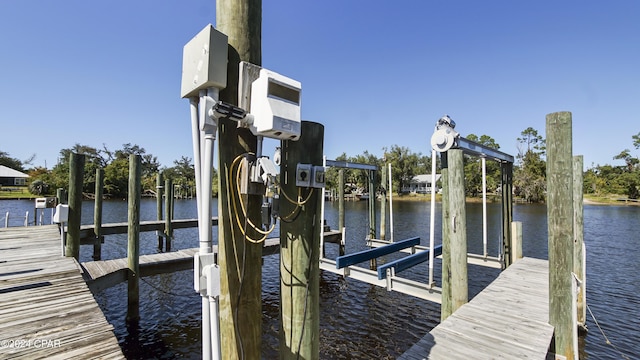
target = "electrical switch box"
x: 204, y: 62
x: 317, y: 177
x: 41, y: 203
x: 275, y: 106
x: 62, y: 214
x: 303, y: 175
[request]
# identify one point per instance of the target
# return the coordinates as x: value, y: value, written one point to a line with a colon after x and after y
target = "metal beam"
x: 350, y: 165
x: 474, y: 148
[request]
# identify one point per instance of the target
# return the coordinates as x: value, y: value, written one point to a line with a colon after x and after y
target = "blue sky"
x: 375, y: 73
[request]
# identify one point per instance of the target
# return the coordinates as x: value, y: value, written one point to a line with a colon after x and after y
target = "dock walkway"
x: 507, y: 320
x: 46, y: 308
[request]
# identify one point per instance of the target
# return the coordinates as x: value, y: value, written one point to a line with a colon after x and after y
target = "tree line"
x: 529, y: 178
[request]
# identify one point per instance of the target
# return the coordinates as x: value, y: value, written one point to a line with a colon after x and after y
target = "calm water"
x: 359, y: 321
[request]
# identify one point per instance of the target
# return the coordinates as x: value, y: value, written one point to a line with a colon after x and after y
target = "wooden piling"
x: 76, y: 176
x: 516, y: 241
x: 97, y: 215
x: 133, y: 240
x: 446, y: 306
x: 457, y: 235
x: 340, y: 199
x: 239, y: 260
x: 383, y: 204
x: 299, y: 241
x: 341, y: 223
x: 61, y: 194
x: 372, y: 203
x: 159, y: 193
x: 506, y: 170
x: 560, y: 229
x: 578, y: 244
x: 168, y: 210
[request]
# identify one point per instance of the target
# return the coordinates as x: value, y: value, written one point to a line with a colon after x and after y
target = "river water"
x: 361, y: 321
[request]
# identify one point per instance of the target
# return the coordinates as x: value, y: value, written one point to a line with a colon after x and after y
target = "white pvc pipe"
x: 484, y: 205
x: 432, y: 215
x: 390, y: 203
x: 6, y: 220
x: 195, y: 134
x: 215, y: 327
x: 26, y: 219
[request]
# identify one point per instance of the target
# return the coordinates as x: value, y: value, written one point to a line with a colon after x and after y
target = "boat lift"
x: 443, y: 139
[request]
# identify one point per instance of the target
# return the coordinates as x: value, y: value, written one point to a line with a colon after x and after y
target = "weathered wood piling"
x: 240, y: 300
x: 560, y: 221
x: 133, y: 239
x: 76, y: 174
x: 299, y: 250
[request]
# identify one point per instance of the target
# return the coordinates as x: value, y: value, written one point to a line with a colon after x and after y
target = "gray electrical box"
x: 317, y: 177
x: 303, y: 175
x: 204, y: 62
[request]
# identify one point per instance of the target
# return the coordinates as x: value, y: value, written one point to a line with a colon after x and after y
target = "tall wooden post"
x: 372, y: 204
x: 560, y: 228
x: 168, y: 211
x: 516, y: 241
x: 341, y: 222
x: 383, y: 204
x: 578, y: 233
x: 76, y: 175
x: 133, y: 239
x: 61, y: 194
x: 159, y: 192
x: 299, y: 255
x: 507, y: 211
x: 239, y: 260
x: 446, y: 305
x: 97, y: 215
x: 458, y: 230
x: 340, y: 199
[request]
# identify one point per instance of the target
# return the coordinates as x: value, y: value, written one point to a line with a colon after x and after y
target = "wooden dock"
x: 507, y: 320
x: 46, y: 308
x: 103, y: 274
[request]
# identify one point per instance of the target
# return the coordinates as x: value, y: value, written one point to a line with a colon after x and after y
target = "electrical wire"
x: 231, y: 198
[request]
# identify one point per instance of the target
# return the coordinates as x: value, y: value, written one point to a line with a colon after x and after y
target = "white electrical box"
x: 204, y: 62
x: 275, y: 105
x: 62, y: 214
x: 41, y: 203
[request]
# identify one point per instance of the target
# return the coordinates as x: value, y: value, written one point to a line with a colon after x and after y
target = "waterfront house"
x: 421, y: 184
x: 11, y: 177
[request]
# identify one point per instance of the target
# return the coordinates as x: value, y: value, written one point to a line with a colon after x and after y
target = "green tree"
x: 473, y: 167
x: 10, y: 162
x: 38, y: 187
x: 403, y: 165
x: 530, y: 138
x: 529, y: 178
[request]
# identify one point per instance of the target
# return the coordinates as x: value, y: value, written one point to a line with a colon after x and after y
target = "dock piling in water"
x: 560, y: 220
x: 76, y: 175
x: 133, y: 240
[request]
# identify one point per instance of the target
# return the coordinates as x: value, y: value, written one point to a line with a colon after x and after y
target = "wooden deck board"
x: 46, y: 308
x: 507, y: 320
